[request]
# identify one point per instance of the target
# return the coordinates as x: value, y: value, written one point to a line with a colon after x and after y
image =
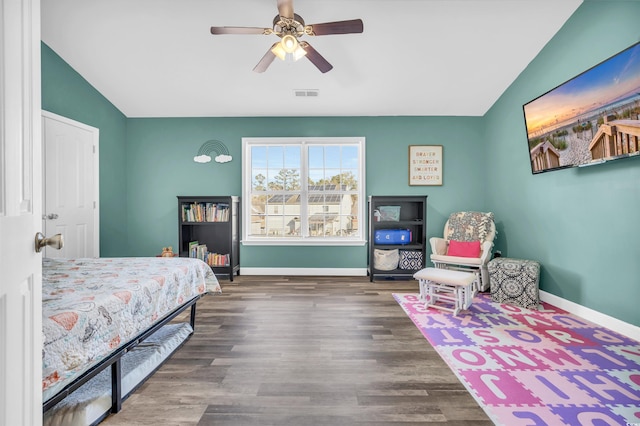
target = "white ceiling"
x: 157, y: 58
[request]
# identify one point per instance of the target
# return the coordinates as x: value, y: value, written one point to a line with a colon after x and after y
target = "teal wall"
x: 582, y: 224
x: 160, y: 155
x: 66, y: 93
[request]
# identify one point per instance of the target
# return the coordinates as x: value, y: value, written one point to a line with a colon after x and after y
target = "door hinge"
x: 94, y: 204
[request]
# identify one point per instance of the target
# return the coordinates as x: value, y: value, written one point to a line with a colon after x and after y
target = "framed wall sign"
x: 425, y: 164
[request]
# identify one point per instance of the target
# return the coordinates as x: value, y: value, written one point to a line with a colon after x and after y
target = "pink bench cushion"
x: 445, y: 276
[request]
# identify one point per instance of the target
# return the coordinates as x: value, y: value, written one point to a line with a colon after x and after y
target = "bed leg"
x: 116, y: 387
x: 192, y: 319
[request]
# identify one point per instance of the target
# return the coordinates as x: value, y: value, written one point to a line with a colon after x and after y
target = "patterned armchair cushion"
x: 469, y: 226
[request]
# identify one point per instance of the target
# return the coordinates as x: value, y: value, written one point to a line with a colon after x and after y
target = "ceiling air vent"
x: 306, y: 93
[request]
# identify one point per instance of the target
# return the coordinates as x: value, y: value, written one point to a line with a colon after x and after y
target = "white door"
x: 20, y: 214
x: 71, y: 186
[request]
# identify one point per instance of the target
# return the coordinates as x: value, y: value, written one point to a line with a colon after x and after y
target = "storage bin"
x: 386, y: 260
x: 389, y: 213
x: 410, y: 259
x: 393, y: 236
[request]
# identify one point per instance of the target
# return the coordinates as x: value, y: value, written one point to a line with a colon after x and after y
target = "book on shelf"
x: 215, y: 259
x: 205, y: 212
x: 201, y: 252
x: 192, y: 248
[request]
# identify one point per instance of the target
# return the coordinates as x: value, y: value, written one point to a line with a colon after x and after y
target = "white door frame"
x: 95, y: 132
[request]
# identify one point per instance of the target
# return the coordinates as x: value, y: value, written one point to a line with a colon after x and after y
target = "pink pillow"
x: 464, y: 248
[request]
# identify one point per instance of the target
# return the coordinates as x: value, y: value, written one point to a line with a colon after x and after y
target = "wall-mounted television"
x: 590, y: 119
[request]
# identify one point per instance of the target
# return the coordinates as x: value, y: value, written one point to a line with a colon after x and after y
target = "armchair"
x: 467, y: 227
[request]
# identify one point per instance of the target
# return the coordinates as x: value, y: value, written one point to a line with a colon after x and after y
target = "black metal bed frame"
x: 114, y: 360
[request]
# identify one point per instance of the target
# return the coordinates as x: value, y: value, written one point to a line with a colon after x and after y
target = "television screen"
x: 590, y: 119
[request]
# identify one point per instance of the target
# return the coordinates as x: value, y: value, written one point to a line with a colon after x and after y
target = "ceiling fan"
x: 290, y: 27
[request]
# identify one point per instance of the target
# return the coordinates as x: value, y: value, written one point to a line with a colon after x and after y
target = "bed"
x: 96, y: 311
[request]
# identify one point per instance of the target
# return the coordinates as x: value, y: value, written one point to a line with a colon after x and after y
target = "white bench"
x: 439, y: 288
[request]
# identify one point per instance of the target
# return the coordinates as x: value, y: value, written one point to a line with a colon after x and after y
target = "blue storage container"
x: 393, y: 236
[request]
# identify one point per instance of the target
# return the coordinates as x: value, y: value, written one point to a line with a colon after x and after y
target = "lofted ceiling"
x: 157, y: 58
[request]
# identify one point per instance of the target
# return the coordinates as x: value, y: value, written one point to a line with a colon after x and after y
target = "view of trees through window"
x: 327, y: 206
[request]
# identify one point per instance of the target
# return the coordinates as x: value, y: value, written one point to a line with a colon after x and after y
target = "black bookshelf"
x: 413, y: 216
x: 213, y: 222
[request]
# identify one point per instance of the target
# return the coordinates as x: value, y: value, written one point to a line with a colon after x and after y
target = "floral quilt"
x: 92, y: 306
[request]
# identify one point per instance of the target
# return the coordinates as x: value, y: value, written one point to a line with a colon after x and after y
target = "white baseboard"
x: 320, y: 272
x: 604, y: 320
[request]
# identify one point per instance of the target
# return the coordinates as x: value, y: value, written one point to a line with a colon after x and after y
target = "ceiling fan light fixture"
x: 279, y: 51
x: 288, y: 49
x: 299, y: 53
x: 289, y: 43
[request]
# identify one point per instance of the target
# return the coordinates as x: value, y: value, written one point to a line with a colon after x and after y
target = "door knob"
x: 52, y: 216
x: 56, y: 242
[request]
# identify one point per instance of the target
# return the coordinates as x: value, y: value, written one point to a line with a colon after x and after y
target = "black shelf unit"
x: 413, y: 216
x: 221, y: 235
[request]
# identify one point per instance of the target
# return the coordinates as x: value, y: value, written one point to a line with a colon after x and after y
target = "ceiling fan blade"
x: 240, y: 30
x: 285, y: 8
x: 317, y: 59
x: 266, y: 60
x: 339, y: 27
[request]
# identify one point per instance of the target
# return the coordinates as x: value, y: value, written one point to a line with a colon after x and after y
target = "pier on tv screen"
x: 590, y: 119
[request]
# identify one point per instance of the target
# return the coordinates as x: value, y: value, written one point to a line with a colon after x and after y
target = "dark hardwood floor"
x: 303, y: 351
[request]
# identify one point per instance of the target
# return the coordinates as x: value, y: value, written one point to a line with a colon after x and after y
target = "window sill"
x: 303, y: 242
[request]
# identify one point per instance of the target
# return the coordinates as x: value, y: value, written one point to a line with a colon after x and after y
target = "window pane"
x: 315, y: 204
x: 292, y: 179
x: 349, y: 180
x: 258, y: 208
x: 293, y: 225
x: 292, y: 157
x: 258, y: 204
x: 350, y: 226
x: 258, y: 227
x: 350, y: 157
x: 292, y: 205
x: 332, y: 179
x: 275, y: 157
x: 332, y: 156
x: 274, y: 179
x: 323, y: 225
x: 316, y: 156
x: 258, y: 157
x: 259, y: 179
x: 354, y: 206
x: 316, y: 177
x: 275, y: 226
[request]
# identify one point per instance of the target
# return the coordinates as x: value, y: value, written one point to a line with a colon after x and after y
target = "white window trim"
x: 359, y: 240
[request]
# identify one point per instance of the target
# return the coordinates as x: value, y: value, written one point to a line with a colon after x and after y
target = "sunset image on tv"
x: 591, y: 118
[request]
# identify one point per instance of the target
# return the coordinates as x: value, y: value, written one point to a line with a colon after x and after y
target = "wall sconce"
x: 204, y: 153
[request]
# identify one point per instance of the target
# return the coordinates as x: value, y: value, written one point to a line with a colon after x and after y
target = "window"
x: 305, y: 191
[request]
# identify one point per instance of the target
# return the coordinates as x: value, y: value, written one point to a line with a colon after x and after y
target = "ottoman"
x: 515, y: 282
x: 445, y: 289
